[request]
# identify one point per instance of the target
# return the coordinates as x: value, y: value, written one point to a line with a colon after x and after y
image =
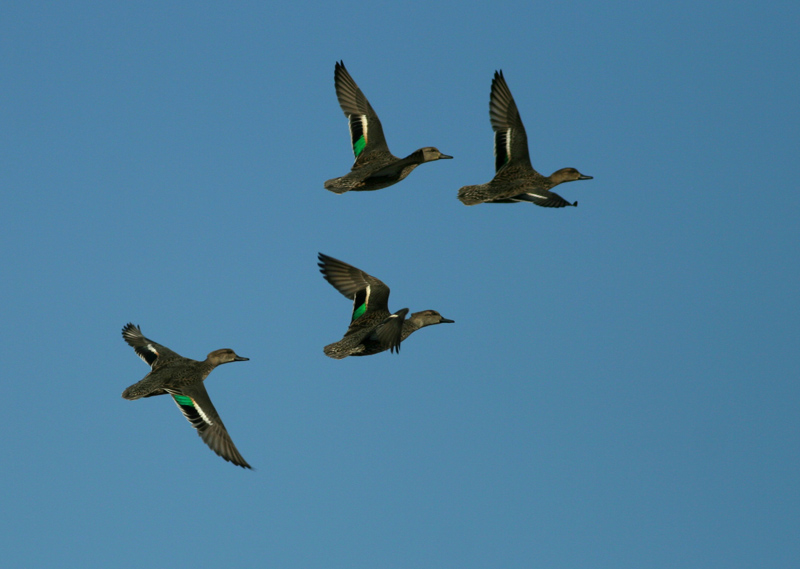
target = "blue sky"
x: 620, y: 386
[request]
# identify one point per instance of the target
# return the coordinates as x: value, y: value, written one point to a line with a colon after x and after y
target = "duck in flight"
x: 375, y: 167
x: 373, y: 329
x: 515, y: 179
x: 182, y: 379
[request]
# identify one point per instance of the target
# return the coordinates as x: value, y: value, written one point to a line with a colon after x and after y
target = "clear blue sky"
x: 620, y: 388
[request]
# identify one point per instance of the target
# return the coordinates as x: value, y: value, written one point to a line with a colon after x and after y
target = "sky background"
x: 619, y: 389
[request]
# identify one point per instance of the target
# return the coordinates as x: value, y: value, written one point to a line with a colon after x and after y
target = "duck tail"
x: 335, y: 351
x: 131, y: 394
x: 473, y: 195
x: 334, y: 186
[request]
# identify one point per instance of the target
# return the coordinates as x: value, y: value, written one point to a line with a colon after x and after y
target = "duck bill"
x: 241, y: 359
x: 582, y: 177
x: 447, y: 321
x: 444, y: 156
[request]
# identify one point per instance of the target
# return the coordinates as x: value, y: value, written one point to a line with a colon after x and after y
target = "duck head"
x: 567, y: 175
x: 428, y: 318
x: 224, y: 356
x: 431, y: 153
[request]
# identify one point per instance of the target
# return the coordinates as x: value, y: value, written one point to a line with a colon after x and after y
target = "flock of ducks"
x: 373, y: 328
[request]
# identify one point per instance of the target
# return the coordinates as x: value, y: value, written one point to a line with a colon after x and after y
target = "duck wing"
x: 542, y: 198
x: 367, y: 293
x: 390, y: 331
x: 153, y: 354
x: 366, y: 132
x: 196, y: 406
x: 510, y: 140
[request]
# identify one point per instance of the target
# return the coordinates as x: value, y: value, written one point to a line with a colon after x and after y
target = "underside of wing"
x: 196, y: 406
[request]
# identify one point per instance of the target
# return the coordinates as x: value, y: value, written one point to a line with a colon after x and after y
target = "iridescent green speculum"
x: 359, y: 145
x: 359, y: 311
x: 183, y: 400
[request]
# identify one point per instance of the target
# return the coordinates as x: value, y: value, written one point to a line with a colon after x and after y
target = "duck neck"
x: 414, y: 159
x: 409, y: 327
x: 206, y: 367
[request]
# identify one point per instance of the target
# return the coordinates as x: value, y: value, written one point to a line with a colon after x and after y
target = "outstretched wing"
x: 153, y: 354
x: 196, y: 406
x: 510, y: 140
x: 366, y: 133
x: 367, y: 293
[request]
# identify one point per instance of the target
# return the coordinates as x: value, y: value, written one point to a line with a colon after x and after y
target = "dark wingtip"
x: 575, y: 204
x: 338, y: 69
x: 321, y: 264
x: 130, y: 329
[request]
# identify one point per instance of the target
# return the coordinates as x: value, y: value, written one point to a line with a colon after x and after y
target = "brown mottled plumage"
x: 373, y: 329
x: 183, y: 378
x: 375, y: 167
x: 515, y: 179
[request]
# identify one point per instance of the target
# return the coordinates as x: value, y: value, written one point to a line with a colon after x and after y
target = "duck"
x: 515, y: 179
x: 373, y: 329
x: 375, y: 167
x: 182, y: 379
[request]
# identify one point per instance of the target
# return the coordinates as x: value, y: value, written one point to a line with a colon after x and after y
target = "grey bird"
x: 375, y: 167
x: 183, y: 378
x: 373, y: 329
x: 515, y: 179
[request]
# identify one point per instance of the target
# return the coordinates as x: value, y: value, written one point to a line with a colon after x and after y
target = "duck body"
x: 375, y: 167
x: 382, y: 170
x: 417, y: 320
x: 373, y: 328
x: 515, y: 178
x: 182, y: 378
x: 363, y: 333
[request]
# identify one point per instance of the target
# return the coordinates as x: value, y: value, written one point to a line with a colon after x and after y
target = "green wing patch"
x: 360, y: 301
x: 183, y: 400
x: 359, y: 311
x: 358, y: 133
x: 359, y: 145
